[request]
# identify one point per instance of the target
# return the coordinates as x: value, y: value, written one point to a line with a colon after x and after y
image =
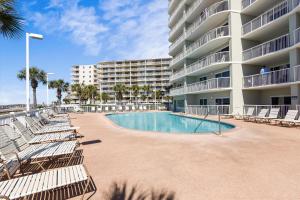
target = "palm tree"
x: 90, y: 92
x: 158, y: 94
x: 79, y: 91
x: 60, y: 86
x: 119, y: 90
x: 135, y: 89
x: 36, y: 75
x: 147, y: 90
x: 105, y: 97
x: 143, y: 97
x: 10, y: 22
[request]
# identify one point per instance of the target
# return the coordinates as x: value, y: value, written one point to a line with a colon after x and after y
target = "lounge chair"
x: 42, y: 122
x: 38, y: 129
x: 127, y: 108
x: 31, y: 138
x: 289, y: 119
x: 144, y: 107
x: 18, y: 149
x: 113, y: 108
x: 140, y: 107
x: 250, y: 113
x: 106, y: 109
x: 133, y: 108
x: 273, y: 114
x: 46, y: 181
x: 262, y: 113
x: 120, y: 108
x: 44, y: 119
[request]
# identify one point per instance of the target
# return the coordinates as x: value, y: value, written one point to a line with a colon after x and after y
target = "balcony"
x: 272, y: 49
x: 204, y: 44
x: 172, y: 5
x: 175, y: 14
x: 177, y: 75
x: 203, y: 23
x: 256, y: 7
x: 277, y: 13
x: 272, y: 79
x: 211, y: 60
x: 177, y: 91
x: 177, y: 28
x: 211, y: 84
x: 177, y: 58
x: 176, y: 44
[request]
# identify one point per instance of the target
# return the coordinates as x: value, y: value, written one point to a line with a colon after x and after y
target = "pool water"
x: 166, y: 122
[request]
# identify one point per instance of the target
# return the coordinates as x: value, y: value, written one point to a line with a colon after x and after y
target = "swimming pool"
x: 166, y: 122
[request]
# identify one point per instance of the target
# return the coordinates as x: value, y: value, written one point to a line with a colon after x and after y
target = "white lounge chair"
x: 106, y: 109
x: 113, y: 108
x: 46, y: 181
x: 31, y: 138
x: 262, y: 113
x: 273, y: 114
x: 144, y: 107
x: 37, y: 129
x: 140, y: 107
x: 120, y: 108
x: 249, y: 113
x: 18, y: 149
x: 127, y: 108
x: 289, y: 119
x: 133, y: 108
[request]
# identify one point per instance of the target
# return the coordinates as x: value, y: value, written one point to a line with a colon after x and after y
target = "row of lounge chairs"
x: 272, y: 116
x: 38, y: 140
x: 120, y: 108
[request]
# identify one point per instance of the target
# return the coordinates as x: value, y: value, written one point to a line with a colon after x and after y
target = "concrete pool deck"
x: 253, y: 161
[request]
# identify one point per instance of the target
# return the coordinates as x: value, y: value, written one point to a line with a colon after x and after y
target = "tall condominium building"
x: 234, y: 53
x: 152, y: 72
x: 85, y: 74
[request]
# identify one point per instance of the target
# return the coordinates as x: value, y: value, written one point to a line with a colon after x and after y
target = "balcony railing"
x: 211, y: 35
x: 177, y: 58
x: 215, y: 8
x: 177, y: 91
x: 271, y: 15
x: 192, y: 7
x: 215, y: 83
x: 176, y: 10
x: 272, y: 78
x: 177, y: 74
x: 176, y: 42
x: 219, y: 57
x: 246, y: 3
x: 268, y: 47
x: 207, y: 109
x: 177, y: 25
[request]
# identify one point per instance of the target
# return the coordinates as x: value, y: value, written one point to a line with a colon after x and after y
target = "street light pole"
x: 47, y: 75
x: 28, y: 36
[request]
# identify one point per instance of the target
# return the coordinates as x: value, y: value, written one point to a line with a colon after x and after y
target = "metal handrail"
x: 200, y: 123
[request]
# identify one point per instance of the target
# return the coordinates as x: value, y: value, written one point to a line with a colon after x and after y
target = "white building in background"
x: 152, y: 72
x: 85, y: 74
x: 228, y: 54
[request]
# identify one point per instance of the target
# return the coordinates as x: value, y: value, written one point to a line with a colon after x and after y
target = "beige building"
x: 152, y: 72
x: 229, y: 54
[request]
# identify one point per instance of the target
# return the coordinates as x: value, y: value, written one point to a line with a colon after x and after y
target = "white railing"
x: 176, y: 11
x: 207, y: 109
x: 215, y: 83
x: 219, y: 57
x: 177, y: 91
x: 270, y: 78
x: 211, y: 35
x: 282, y: 111
x: 297, y: 73
x: 270, y: 15
x: 215, y: 8
x: 176, y: 42
x: 177, y: 26
x: 268, y: 47
x: 246, y: 3
x: 177, y: 58
x: 177, y: 74
x: 192, y: 7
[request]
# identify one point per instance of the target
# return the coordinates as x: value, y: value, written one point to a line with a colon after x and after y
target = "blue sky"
x: 81, y: 32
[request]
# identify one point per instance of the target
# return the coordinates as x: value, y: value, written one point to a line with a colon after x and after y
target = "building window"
x: 223, y: 74
x: 223, y: 101
x: 204, y: 78
x: 203, y: 102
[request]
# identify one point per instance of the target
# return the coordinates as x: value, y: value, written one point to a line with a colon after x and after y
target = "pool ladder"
x: 219, y: 124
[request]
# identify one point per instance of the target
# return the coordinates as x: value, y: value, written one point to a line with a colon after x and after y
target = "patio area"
x: 254, y: 161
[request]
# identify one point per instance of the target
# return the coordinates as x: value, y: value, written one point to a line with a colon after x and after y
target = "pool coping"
x: 235, y: 128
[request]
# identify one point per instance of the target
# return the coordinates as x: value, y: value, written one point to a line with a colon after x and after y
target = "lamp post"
x: 28, y: 36
x: 48, y: 87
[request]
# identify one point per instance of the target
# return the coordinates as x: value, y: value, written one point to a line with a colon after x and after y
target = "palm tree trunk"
x: 34, y: 96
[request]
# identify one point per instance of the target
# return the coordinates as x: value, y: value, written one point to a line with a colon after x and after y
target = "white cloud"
x: 126, y: 28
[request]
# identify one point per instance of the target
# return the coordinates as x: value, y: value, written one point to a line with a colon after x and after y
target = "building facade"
x: 230, y: 54
x: 151, y: 72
